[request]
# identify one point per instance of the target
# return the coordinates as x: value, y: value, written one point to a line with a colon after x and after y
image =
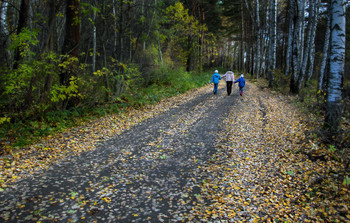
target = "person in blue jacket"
x: 241, y: 84
x: 215, y: 79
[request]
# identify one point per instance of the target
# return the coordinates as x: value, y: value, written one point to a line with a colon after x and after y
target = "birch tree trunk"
x: 307, y: 46
x: 3, y: 32
x: 325, y: 52
x: 337, y: 62
x: 3, y: 16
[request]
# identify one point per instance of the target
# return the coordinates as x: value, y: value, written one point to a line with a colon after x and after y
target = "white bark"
x: 337, y: 61
x: 309, y: 48
x: 3, y: 16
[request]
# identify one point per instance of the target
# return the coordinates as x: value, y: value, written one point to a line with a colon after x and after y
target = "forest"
x: 64, y: 61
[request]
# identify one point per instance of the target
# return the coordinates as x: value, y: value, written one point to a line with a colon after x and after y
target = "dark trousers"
x: 229, y: 87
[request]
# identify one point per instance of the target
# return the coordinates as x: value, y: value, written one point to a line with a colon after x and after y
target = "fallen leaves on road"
x: 259, y: 173
x: 24, y: 162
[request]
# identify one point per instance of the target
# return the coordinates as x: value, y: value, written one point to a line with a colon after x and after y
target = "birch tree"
x: 306, y: 70
x: 337, y: 62
x: 3, y: 30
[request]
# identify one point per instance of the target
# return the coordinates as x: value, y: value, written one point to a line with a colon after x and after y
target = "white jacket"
x: 229, y: 76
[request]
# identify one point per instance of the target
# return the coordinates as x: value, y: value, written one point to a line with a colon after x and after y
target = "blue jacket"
x: 215, y: 78
x: 241, y: 82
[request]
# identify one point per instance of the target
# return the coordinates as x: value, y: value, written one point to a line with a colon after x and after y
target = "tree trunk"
x: 3, y: 32
x: 121, y: 27
x: 307, y: 46
x: 3, y: 16
x: 310, y: 69
x: 72, y: 36
x: 337, y: 61
x: 258, y: 42
x: 94, y: 41
x: 115, y: 27
x: 22, y: 23
x: 50, y: 41
x: 242, y: 57
x: 49, y: 47
x: 273, y: 42
x: 297, y: 45
x: 325, y: 52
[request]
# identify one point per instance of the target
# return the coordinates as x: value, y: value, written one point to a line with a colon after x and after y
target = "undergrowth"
x: 167, y: 83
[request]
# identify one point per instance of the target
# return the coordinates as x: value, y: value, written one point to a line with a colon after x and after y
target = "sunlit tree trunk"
x: 337, y: 61
x: 325, y: 52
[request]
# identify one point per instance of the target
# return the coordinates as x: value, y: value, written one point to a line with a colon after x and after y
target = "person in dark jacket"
x: 241, y: 84
x: 215, y: 79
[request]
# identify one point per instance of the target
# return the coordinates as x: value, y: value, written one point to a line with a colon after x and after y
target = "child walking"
x: 241, y: 84
x: 215, y: 79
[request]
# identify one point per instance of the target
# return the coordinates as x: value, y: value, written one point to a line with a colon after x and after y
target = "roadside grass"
x: 168, y: 83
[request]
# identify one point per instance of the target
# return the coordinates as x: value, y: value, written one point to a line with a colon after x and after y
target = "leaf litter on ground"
x: 258, y: 172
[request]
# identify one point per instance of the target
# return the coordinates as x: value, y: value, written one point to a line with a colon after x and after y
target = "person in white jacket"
x: 230, y: 78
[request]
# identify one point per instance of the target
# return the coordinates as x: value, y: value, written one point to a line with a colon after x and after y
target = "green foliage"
x: 168, y: 83
x: 332, y: 149
x: 62, y: 92
x: 346, y: 181
x: 23, y: 42
x: 182, y: 34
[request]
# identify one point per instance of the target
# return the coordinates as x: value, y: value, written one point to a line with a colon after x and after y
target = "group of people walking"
x: 230, y: 79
